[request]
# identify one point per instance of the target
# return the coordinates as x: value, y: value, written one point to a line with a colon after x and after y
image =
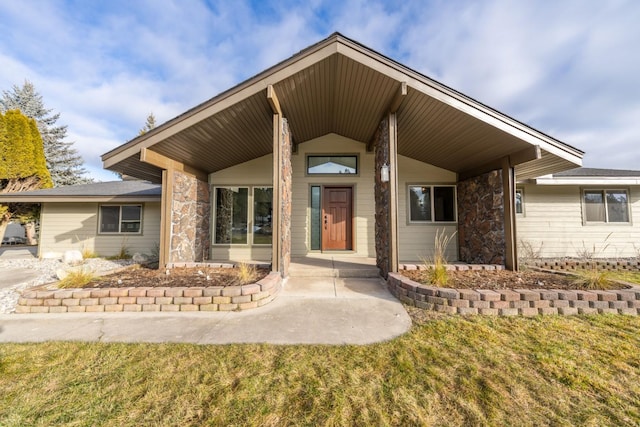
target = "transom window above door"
x: 332, y: 165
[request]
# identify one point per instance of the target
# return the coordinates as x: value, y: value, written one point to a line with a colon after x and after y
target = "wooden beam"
x: 526, y: 155
x: 392, y: 108
x: 399, y: 97
x: 272, y: 97
x: 166, y: 163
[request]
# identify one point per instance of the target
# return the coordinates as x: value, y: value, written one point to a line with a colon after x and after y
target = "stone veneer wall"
x: 516, y: 302
x: 481, y: 225
x: 382, y: 198
x: 285, y: 198
x: 212, y: 298
x: 190, y: 216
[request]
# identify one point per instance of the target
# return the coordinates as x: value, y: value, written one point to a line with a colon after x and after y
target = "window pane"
x: 131, y: 213
x: 519, y: 202
x: 617, y: 206
x: 594, y: 206
x: 262, y: 227
x: 231, y: 215
x: 130, y: 227
x: 315, y: 218
x: 444, y: 203
x: 420, y: 203
x: 109, y: 219
x: 332, y: 164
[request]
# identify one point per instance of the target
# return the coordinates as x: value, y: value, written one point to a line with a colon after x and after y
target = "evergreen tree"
x: 22, y: 166
x: 149, y: 124
x: 63, y: 161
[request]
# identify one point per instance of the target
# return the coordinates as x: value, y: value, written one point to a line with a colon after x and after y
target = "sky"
x: 570, y: 69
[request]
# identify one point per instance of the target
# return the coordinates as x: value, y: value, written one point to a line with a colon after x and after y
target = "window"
x: 316, y: 213
x: 120, y: 218
x: 519, y: 201
x: 331, y: 165
x: 262, y: 215
x: 606, y: 206
x: 432, y: 203
x: 234, y: 207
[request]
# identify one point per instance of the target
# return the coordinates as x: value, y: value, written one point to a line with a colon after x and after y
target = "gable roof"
x: 341, y: 86
x: 114, y: 191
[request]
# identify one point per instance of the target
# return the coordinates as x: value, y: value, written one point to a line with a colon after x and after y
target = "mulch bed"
x: 177, y: 277
x: 504, y: 279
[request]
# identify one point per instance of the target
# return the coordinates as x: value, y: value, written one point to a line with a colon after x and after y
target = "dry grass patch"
x: 581, y: 370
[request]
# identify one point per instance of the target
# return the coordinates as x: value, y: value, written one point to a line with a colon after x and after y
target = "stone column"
x: 481, y: 227
x: 285, y: 199
x: 190, y: 218
x: 382, y: 198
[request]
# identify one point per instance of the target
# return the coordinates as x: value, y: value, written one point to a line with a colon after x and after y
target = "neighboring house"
x: 580, y: 212
x: 339, y: 149
x: 101, y: 218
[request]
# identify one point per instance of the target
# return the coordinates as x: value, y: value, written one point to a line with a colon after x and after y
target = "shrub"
x: 592, y: 278
x: 246, y: 273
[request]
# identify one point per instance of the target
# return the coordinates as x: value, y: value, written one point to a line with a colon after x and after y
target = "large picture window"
x: 120, y: 219
x: 606, y: 205
x: 432, y: 203
x: 332, y: 165
x: 243, y: 215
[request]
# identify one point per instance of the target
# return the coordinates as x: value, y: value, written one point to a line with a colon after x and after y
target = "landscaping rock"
x: 72, y: 257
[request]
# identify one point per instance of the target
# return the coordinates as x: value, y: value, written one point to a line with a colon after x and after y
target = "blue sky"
x: 568, y: 68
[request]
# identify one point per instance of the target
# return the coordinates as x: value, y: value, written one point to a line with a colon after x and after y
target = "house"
x: 580, y: 213
x: 101, y: 218
x: 340, y: 149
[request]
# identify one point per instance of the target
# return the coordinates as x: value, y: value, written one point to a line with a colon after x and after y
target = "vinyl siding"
x: 416, y: 241
x: 69, y: 226
x: 552, y: 222
x: 363, y: 209
x: 255, y: 172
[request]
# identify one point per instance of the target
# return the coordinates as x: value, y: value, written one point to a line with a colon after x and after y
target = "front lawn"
x: 582, y: 370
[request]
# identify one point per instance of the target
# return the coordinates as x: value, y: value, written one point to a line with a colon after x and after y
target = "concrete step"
x: 368, y: 272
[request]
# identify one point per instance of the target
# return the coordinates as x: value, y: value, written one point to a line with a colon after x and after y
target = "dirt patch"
x: 504, y: 279
x: 177, y: 277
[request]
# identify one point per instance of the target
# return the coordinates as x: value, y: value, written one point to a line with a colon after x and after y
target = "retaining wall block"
x: 469, y: 294
x: 508, y: 295
x: 488, y: 311
x: 489, y: 295
x: 448, y: 293
x: 567, y: 311
x: 465, y: 311
x: 528, y: 311
x: 587, y: 310
x: 547, y: 311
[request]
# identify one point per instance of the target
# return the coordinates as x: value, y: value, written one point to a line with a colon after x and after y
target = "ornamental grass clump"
x: 592, y: 278
x: 246, y: 273
x: 436, y: 266
x: 77, y: 279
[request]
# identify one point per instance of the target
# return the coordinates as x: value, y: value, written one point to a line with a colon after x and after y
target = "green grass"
x: 581, y: 370
x: 627, y: 276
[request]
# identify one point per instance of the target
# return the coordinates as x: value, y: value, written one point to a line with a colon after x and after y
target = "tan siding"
x: 67, y: 226
x: 416, y: 241
x: 552, y: 222
x: 364, y: 211
x: 256, y: 172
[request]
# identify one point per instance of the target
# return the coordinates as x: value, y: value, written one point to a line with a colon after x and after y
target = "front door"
x: 337, y: 218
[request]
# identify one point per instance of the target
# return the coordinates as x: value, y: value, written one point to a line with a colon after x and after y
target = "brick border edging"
x: 149, y: 299
x: 507, y: 302
x: 601, y: 264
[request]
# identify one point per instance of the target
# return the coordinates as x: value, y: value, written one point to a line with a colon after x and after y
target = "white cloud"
x: 567, y: 68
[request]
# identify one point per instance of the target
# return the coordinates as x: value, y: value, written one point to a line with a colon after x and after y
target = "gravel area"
x: 46, y: 274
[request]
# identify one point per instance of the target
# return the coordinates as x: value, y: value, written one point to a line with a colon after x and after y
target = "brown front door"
x: 337, y: 218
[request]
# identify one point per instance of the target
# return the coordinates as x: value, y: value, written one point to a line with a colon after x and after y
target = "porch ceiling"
x: 341, y: 87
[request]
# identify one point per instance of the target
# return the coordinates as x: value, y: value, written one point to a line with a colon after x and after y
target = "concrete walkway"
x: 16, y: 276
x: 326, y: 310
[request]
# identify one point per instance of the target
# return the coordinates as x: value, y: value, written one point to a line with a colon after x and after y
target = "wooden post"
x: 509, y: 192
x: 393, y: 193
